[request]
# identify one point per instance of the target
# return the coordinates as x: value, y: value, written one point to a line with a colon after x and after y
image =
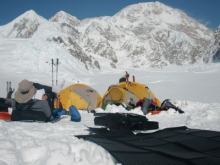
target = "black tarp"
x: 177, y: 146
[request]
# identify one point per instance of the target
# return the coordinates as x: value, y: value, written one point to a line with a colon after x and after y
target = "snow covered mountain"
x: 213, y: 52
x: 31, y: 25
x: 165, y: 35
x: 142, y: 35
x: 24, y: 26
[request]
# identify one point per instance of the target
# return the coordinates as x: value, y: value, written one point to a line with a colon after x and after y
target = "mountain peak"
x: 24, y: 26
x: 30, y: 14
x: 64, y: 17
x: 62, y: 13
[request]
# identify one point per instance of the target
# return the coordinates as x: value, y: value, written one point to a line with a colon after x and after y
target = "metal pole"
x: 57, y: 71
x: 52, y: 71
x: 7, y: 88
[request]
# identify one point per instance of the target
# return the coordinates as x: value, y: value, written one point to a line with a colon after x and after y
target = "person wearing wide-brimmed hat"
x: 24, y: 100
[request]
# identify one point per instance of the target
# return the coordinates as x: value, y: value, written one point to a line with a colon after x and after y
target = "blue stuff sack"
x: 58, y: 112
x: 74, y: 113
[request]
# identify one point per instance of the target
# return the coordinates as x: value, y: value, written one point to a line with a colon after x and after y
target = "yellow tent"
x: 126, y: 91
x: 81, y: 96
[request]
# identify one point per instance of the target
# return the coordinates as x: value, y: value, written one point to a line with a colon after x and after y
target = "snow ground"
x: 195, y: 89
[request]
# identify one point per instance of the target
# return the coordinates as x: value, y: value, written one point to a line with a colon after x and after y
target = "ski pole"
x: 52, y: 71
x: 7, y: 88
x: 57, y: 71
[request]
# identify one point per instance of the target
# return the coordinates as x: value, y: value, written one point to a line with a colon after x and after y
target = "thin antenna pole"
x: 52, y: 71
x: 7, y: 88
x: 57, y: 71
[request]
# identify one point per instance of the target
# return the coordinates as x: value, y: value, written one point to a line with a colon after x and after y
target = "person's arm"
x: 40, y: 86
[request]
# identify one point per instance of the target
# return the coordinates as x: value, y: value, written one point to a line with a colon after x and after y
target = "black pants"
x: 48, y: 90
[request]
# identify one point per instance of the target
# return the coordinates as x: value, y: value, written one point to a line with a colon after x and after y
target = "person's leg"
x: 145, y: 106
x: 153, y: 107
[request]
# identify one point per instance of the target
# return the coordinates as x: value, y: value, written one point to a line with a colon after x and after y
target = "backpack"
x: 28, y: 115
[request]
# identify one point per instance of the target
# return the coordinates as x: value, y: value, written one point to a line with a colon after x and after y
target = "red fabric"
x: 5, y: 116
x: 153, y: 102
x: 139, y: 103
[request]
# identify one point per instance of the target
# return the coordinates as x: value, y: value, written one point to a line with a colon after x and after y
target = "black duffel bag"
x: 124, y: 122
x: 28, y: 115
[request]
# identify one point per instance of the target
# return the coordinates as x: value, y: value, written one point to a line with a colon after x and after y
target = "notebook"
x: 39, y: 94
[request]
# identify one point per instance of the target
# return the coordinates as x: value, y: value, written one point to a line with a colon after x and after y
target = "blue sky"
x: 205, y: 11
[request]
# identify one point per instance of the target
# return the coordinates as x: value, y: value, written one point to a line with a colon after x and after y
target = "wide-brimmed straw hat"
x: 25, y: 91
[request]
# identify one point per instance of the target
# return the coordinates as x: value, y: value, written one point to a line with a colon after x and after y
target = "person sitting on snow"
x: 124, y: 78
x: 24, y: 102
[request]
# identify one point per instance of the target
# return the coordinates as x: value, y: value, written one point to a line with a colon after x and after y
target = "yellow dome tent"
x: 81, y: 96
x: 126, y: 91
